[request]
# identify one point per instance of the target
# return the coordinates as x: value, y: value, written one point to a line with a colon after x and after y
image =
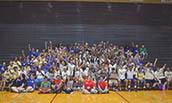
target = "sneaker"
x: 135, y: 89
x: 113, y: 89
x: 129, y: 89
x: 120, y: 89
x: 71, y: 93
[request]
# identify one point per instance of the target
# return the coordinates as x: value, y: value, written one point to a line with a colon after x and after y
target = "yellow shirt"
x: 7, y: 75
x: 140, y: 76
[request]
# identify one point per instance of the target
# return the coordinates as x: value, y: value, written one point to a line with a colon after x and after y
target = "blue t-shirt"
x: 24, y: 63
x: 2, y: 69
x: 31, y: 82
x: 37, y: 54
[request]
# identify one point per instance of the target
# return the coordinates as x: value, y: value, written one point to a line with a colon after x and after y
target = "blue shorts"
x: 132, y: 80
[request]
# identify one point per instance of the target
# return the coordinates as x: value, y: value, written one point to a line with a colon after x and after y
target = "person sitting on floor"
x: 45, y: 86
x: 18, y: 84
x: 68, y: 86
x: 31, y: 84
x: 57, y: 86
x: 102, y: 86
x: 89, y: 86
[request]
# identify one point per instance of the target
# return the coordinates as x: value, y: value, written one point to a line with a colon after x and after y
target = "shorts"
x: 122, y: 80
x: 163, y: 80
x: 140, y: 81
x: 150, y: 81
x: 115, y: 82
x: 132, y: 80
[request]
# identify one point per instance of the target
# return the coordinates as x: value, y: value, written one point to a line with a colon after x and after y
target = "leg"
x: 29, y: 89
x: 93, y: 91
x: 85, y: 91
x: 126, y: 84
x: 119, y: 84
x: 14, y: 89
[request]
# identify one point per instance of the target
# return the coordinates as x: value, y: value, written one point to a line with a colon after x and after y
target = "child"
x: 31, y: 84
x: 150, y: 78
x: 57, y: 85
x: 18, y: 84
x: 130, y: 77
x: 140, y: 78
x: 2, y: 82
x: 89, y: 86
x: 113, y: 79
x: 68, y: 86
x: 102, y: 86
x: 121, y: 77
x: 45, y: 86
x: 159, y: 73
x: 168, y: 75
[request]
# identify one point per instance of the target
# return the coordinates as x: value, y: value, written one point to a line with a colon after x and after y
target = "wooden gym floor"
x: 77, y: 97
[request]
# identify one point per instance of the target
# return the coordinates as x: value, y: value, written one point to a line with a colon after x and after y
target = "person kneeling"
x: 102, y: 86
x: 89, y: 86
x: 45, y: 86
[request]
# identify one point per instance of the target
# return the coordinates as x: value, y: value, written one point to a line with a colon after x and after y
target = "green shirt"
x: 143, y: 50
x: 45, y: 84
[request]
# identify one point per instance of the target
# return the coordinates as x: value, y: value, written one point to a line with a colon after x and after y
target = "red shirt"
x: 88, y: 84
x: 57, y: 82
x: 102, y: 84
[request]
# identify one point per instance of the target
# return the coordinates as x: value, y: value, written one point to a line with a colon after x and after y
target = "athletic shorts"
x: 163, y: 80
x: 122, y: 80
x: 150, y: 81
x: 132, y: 80
x: 115, y: 82
x: 140, y: 81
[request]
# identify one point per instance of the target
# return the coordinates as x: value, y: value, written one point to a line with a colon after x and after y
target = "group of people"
x: 91, y: 69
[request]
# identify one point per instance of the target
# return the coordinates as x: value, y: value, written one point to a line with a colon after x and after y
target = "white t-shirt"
x: 71, y: 68
x: 39, y: 75
x: 22, y: 72
x: 77, y: 74
x: 65, y: 74
x: 121, y: 73
x: 168, y: 75
x: 159, y: 75
x: 112, y: 66
x: 149, y: 74
x: 130, y: 74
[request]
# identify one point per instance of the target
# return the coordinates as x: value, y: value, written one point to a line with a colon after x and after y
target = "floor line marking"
x: 122, y: 97
x: 149, y: 94
x: 53, y: 98
x: 18, y: 98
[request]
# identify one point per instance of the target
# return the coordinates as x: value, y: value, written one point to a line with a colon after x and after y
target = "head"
x: 168, y: 69
x: 32, y: 77
x: 58, y: 77
x: 37, y: 50
x: 4, y: 64
x: 139, y: 70
x: 143, y: 45
x: 89, y: 77
x: 157, y: 69
x: 101, y: 78
x: 45, y: 79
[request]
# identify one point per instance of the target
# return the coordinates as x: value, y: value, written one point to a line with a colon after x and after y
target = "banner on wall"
x: 167, y: 1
